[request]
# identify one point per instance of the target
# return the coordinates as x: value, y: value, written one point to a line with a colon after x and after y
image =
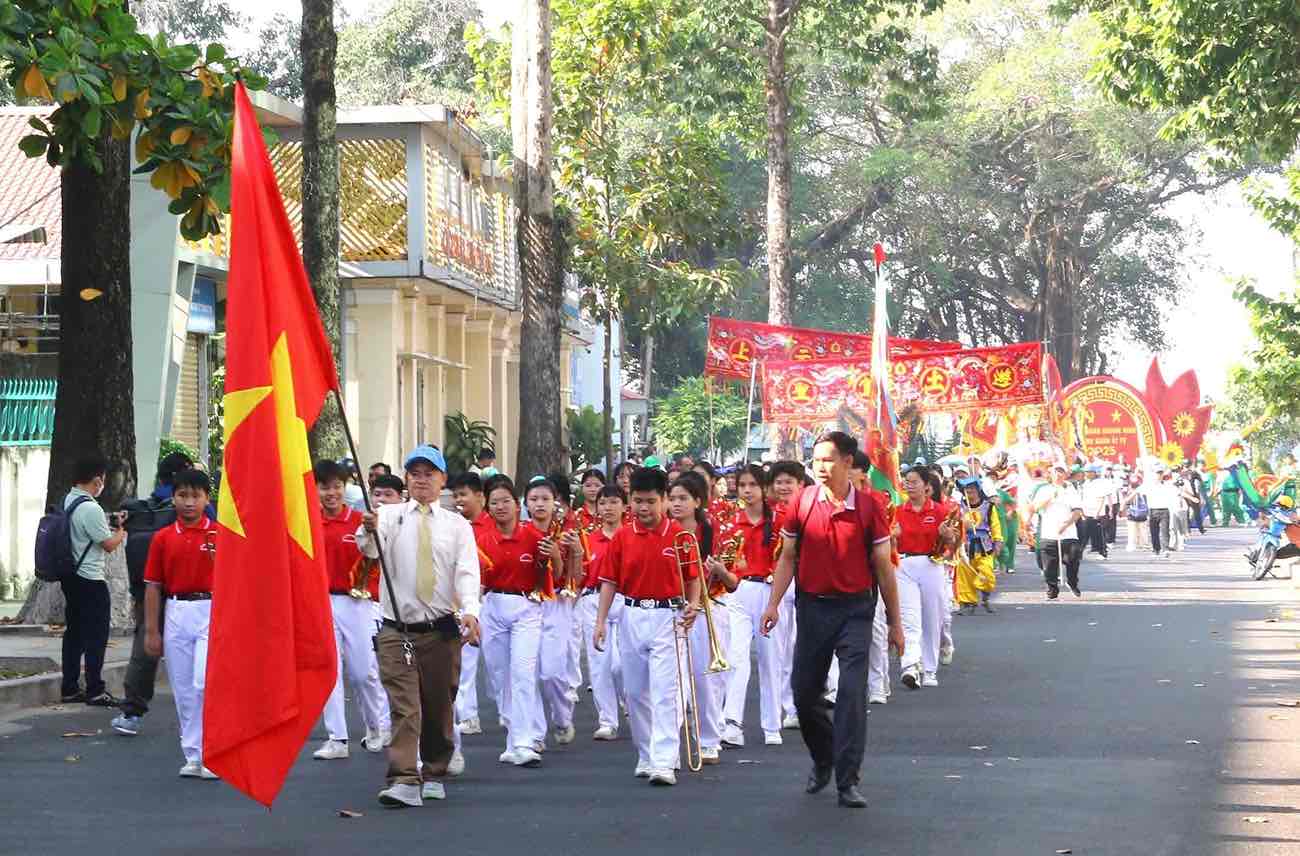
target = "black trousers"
x: 1095, y: 534
x: 142, y: 671
x: 1159, y: 523
x: 1053, y: 554
x: 842, y: 627
x: 85, y: 634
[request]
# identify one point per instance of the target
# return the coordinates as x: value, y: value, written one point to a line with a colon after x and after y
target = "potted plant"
x: 464, y: 439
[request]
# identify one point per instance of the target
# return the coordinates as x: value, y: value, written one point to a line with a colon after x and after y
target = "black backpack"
x: 144, y: 517
x: 54, y: 559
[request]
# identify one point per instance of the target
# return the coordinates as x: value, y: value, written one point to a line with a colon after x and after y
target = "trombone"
x: 687, y: 542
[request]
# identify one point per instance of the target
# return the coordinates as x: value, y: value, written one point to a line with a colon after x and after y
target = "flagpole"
x: 379, y: 545
x: 749, y: 411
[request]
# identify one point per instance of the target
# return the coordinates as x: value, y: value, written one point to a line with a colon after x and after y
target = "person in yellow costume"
x: 982, y: 541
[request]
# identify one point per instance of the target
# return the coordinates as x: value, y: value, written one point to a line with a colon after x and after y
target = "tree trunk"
x: 780, y: 305
x: 320, y: 199
x: 94, y: 408
x: 540, y: 242
x: 607, y: 398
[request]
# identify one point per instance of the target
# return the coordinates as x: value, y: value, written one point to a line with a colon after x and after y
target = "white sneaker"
x: 878, y: 699
x: 643, y: 769
x: 605, y: 733
x: 772, y: 738
x: 791, y: 721
x: 400, y: 796
x: 205, y: 773
x: 456, y: 766
x: 663, y: 778
x: 433, y: 791
x: 945, y: 654
x: 471, y: 726
x: 564, y: 736
x: 526, y: 757
x: 733, y: 736
x: 911, y: 677
x: 709, y: 755
x: 929, y: 679
x: 332, y: 750
x: 127, y: 725
x: 376, y: 740
x: 508, y: 757
x: 191, y: 770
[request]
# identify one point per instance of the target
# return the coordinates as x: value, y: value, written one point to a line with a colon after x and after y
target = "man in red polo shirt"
x: 180, y: 564
x: 641, y: 565
x: 843, y: 548
x: 354, y: 624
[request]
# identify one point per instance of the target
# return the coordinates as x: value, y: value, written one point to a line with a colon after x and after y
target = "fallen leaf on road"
x: 751, y: 761
x: 81, y: 734
x: 1049, y: 640
x: 988, y: 764
x: 1198, y: 685
x: 1019, y: 607
x: 1012, y: 758
x: 1064, y: 851
x: 1164, y: 681
x: 1157, y: 625
x: 1092, y: 624
x: 347, y: 812
x: 1192, y: 742
x: 1277, y: 716
x: 952, y: 776
x: 1289, y: 702
x: 979, y: 748
x: 72, y: 759
x: 1255, y: 819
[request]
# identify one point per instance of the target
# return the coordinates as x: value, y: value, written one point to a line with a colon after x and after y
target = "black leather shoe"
x: 818, y: 779
x: 851, y: 797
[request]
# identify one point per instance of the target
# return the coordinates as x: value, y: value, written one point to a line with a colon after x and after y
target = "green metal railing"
x: 27, y: 411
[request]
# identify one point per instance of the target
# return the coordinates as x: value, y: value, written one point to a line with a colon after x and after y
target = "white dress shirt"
x: 1063, y: 502
x: 455, y: 561
x: 1096, y: 494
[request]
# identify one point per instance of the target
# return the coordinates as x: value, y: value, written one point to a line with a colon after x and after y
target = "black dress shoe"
x: 818, y: 779
x: 851, y: 797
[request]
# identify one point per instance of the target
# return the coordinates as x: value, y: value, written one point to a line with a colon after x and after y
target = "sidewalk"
x: 36, y: 652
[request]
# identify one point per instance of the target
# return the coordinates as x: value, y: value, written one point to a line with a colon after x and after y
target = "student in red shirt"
x: 642, y: 567
x: 511, y: 621
x: 760, y: 528
x: 605, y: 670
x: 467, y: 493
x: 787, y: 479
x: 179, y: 568
x: 354, y: 623
x: 923, y: 588
x: 588, y: 515
x: 843, y: 546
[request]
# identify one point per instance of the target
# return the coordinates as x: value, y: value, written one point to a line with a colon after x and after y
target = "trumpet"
x: 946, y: 554
x: 685, y: 543
x: 361, y: 572
x: 730, y: 554
x: 544, y: 588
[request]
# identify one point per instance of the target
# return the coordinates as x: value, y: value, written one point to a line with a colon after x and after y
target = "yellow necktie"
x: 424, y: 572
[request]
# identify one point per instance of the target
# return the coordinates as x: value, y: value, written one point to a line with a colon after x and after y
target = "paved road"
x: 1142, y: 719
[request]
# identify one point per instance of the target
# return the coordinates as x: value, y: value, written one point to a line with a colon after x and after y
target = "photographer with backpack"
x: 91, y: 539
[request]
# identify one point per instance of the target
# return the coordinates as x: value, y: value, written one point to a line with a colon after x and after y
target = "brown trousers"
x: 422, y: 696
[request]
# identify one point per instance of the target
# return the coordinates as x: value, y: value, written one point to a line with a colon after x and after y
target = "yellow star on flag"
x: 239, y: 403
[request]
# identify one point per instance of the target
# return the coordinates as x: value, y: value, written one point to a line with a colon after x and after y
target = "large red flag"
x: 271, y: 655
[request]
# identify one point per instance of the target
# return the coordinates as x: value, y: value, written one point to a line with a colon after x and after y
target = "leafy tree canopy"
x: 681, y: 419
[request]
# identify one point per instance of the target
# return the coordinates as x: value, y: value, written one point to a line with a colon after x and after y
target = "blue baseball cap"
x: 429, y: 455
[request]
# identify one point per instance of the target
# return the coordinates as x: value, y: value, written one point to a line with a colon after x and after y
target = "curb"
x: 47, y: 688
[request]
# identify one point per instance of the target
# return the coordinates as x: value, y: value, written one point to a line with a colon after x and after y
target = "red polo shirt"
x: 642, y: 563
x: 599, y: 543
x: 181, y: 558
x: 758, y: 557
x: 514, y: 558
x: 835, y: 543
x: 919, y: 527
x: 341, y: 553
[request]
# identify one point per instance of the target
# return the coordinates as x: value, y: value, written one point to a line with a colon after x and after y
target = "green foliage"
x: 681, y: 419
x: 278, y: 56
x: 167, y: 445
x: 464, y: 438
x: 1244, y: 403
x: 407, y: 52
x: 1275, y: 375
x: 90, y: 59
x: 587, y: 441
x: 188, y: 20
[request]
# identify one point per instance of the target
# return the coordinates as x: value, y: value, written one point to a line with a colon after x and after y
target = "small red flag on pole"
x: 271, y: 656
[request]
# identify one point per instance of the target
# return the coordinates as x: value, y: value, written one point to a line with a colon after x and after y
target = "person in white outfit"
x: 181, y: 561
x: 788, y: 478
x: 604, y: 667
x: 923, y: 531
x: 355, y: 623
x: 467, y: 493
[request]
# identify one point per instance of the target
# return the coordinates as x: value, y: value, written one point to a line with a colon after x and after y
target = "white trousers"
x: 711, y: 687
x: 576, y: 646
x: 786, y: 614
x: 949, y: 598
x: 512, y: 631
x: 355, y: 627
x: 746, y: 606
x: 467, y: 693
x: 878, y: 656
x: 648, y: 648
x: 604, y: 667
x: 1139, y: 535
x: 185, y: 654
x: 553, y: 670
x: 923, y: 600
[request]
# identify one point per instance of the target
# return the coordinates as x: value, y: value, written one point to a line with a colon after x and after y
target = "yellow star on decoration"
x: 291, y: 437
x: 1115, y: 417
x: 238, y: 404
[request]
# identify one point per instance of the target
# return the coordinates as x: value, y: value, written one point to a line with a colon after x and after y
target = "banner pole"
x: 708, y: 391
x: 749, y: 411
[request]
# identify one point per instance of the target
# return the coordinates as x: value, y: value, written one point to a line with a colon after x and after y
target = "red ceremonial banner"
x: 734, y: 346
x: 945, y: 381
